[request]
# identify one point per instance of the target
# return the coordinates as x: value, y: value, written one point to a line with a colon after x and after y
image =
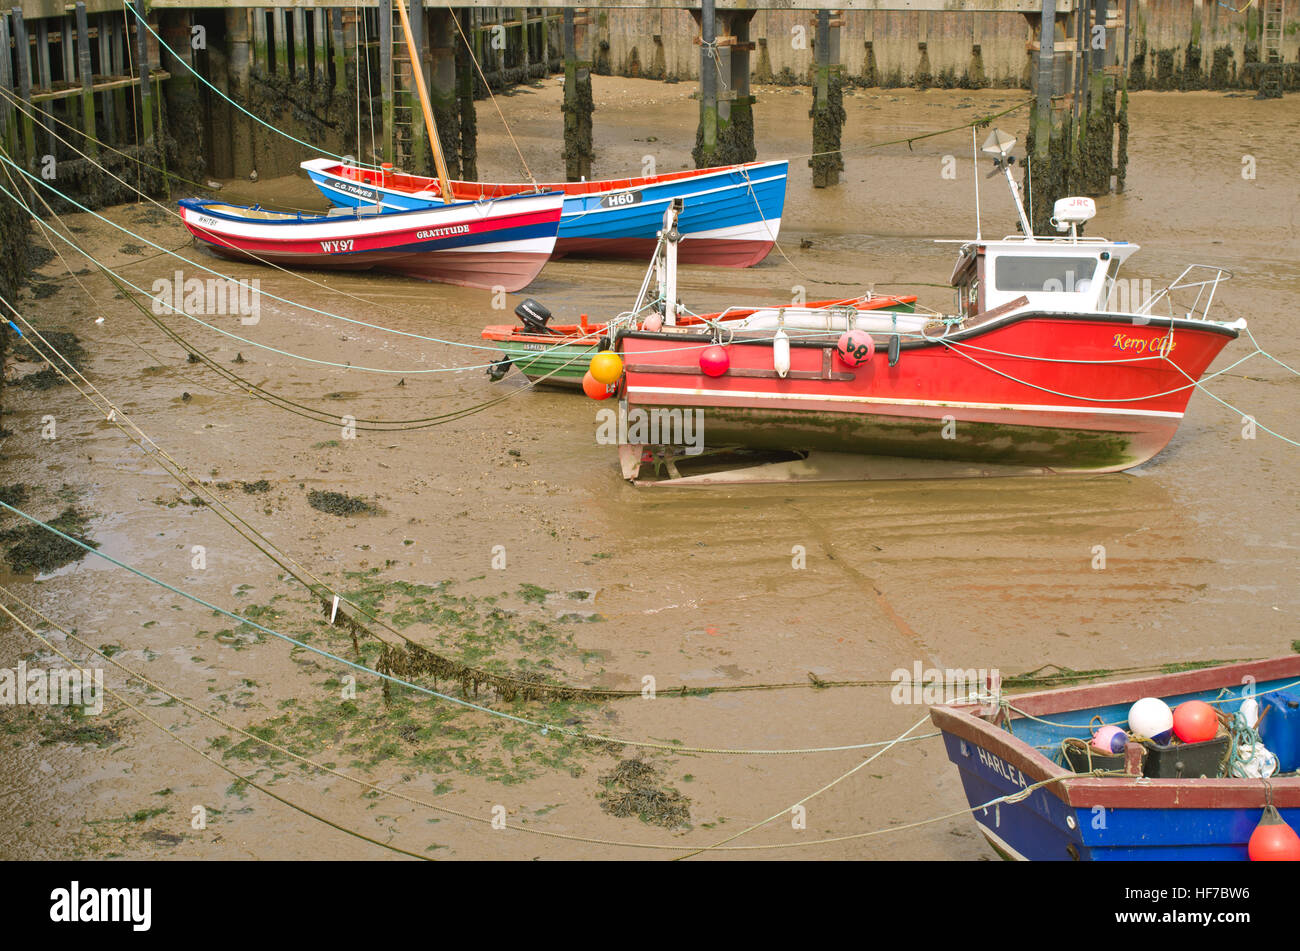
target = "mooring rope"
x: 545, y: 728
x: 834, y: 782
x: 217, y: 763
x: 397, y: 794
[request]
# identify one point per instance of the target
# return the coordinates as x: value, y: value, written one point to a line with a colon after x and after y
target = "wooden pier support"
x: 1046, y: 148
x: 578, y: 102
x: 87, y: 82
x: 105, y: 35
x: 320, y: 47
x: 340, y: 50
x: 828, y: 103
x: 239, y: 64
x: 23, y: 60
x: 466, y: 116
x: 706, y: 135
x: 388, y: 150
x: 281, y: 40
x: 300, y: 44
x: 8, y: 112
x: 145, y: 89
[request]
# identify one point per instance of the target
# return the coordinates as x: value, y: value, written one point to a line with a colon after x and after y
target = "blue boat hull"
x: 730, y: 217
x: 1043, y: 828
x: 1029, y: 805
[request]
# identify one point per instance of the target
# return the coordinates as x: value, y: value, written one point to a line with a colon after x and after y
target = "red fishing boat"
x: 1034, y: 372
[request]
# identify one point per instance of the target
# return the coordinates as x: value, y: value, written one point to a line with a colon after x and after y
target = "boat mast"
x: 417, y: 68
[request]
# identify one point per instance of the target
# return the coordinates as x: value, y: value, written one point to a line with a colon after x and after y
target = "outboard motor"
x: 534, y: 316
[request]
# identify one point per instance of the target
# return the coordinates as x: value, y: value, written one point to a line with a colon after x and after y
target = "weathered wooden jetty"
x: 150, y: 87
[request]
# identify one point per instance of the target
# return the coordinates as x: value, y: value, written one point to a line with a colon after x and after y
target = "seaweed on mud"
x: 35, y: 550
x: 66, y: 345
x: 338, y: 503
x: 38, y: 255
x: 631, y: 789
x: 261, y: 485
x: 15, y: 494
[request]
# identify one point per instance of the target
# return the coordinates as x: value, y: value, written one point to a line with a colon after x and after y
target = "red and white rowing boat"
x: 498, y: 243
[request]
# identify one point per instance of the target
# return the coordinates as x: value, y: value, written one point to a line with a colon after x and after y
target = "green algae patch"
x: 35, y: 550
x: 339, y: 503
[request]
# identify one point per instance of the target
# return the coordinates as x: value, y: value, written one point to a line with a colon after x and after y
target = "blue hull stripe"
x: 728, y: 201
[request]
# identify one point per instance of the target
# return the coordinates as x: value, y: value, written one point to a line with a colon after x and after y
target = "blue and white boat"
x: 1007, y: 749
x: 731, y: 215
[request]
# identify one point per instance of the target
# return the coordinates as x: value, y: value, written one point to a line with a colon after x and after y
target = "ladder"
x: 404, y: 95
x: 1270, y: 73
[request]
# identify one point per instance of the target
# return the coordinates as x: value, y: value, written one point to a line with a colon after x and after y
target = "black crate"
x: 1185, y: 760
x: 1080, y: 757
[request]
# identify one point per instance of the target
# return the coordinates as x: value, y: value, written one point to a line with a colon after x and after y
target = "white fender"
x: 781, y: 353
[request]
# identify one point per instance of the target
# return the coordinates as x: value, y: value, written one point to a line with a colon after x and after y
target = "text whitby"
x: 76, y: 904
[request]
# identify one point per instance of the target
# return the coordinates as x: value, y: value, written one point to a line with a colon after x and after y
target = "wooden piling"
x: 8, y: 113
x: 44, y: 82
x: 105, y: 34
x: 578, y: 104
x: 442, y: 84
x: 23, y: 59
x: 1048, y: 161
x: 706, y: 137
x: 142, y: 61
x: 121, y: 114
x: 239, y: 64
x: 300, y: 43
x: 828, y: 106
x: 87, y: 81
x: 320, y: 47
x: 261, y: 51
x: 466, y: 116
x: 420, y: 153
x: 386, y: 76
x: 340, y: 51
x: 280, y: 18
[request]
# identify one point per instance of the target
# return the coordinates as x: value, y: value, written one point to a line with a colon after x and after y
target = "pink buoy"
x: 714, y: 360
x: 1109, y: 739
x: 855, y: 347
x: 654, y: 323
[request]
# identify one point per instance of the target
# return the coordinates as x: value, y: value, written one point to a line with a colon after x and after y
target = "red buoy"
x: 595, y: 389
x: 1273, y: 840
x: 855, y: 347
x: 1195, y: 721
x: 714, y: 360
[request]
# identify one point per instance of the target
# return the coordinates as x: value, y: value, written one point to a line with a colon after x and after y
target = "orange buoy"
x: 606, y: 366
x: 1195, y: 721
x: 1273, y: 840
x: 595, y: 389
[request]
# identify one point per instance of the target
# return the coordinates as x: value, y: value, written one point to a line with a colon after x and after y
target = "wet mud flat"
x: 506, y: 541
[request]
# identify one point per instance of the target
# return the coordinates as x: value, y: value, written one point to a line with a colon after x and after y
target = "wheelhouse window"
x: 1040, y: 272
